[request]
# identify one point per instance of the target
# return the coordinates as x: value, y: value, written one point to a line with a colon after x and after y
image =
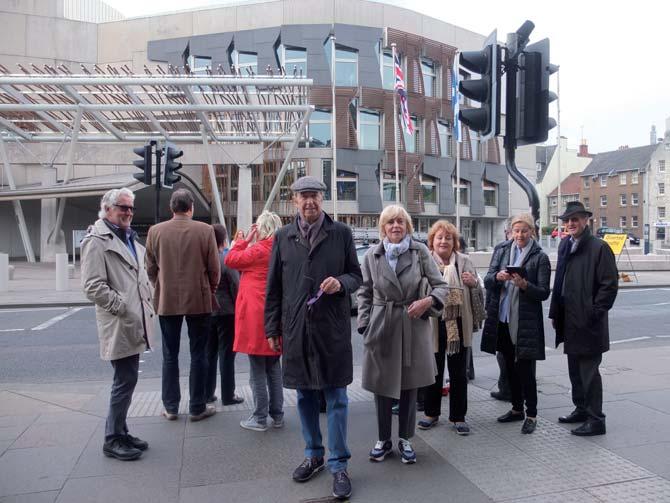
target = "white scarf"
x: 393, y: 250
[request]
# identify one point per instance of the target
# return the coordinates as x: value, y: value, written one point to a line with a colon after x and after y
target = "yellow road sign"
x: 616, y: 242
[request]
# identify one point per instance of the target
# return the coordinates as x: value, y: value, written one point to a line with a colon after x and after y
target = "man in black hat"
x: 585, y: 287
x: 313, y: 272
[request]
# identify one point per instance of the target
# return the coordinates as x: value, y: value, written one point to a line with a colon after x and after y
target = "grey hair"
x: 111, y: 197
x: 268, y: 223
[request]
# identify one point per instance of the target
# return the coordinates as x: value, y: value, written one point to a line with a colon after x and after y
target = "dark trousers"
x: 125, y: 379
x: 458, y: 379
x: 587, y: 385
x: 503, y: 384
x: 520, y: 373
x: 406, y: 415
x: 220, y: 347
x: 198, y: 326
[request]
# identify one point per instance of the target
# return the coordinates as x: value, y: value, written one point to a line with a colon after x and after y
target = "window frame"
x: 634, y: 199
x: 235, y: 59
x: 634, y: 178
x: 320, y: 121
x: 622, y: 178
x: 448, y: 138
x: 362, y: 114
x: 489, y: 187
x: 623, y: 222
x: 603, y: 199
x: 587, y: 183
x: 285, y: 62
x: 660, y: 187
x: 634, y: 222
x: 389, y: 181
x: 603, y: 180
x: 623, y: 200
x: 347, y: 61
x: 431, y: 182
x: 433, y: 75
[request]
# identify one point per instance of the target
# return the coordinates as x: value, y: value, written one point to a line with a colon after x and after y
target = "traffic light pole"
x: 157, y: 209
x: 515, y: 44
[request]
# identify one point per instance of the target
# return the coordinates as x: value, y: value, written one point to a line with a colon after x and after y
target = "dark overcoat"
x: 530, y: 334
x: 316, y: 341
x: 590, y: 286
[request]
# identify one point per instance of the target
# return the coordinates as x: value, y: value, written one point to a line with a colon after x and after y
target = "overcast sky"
x: 613, y: 57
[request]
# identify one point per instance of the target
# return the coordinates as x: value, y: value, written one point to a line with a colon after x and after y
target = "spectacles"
x: 125, y: 208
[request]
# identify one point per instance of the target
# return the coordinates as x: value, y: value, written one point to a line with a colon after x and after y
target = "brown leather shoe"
x: 208, y: 412
x: 170, y: 416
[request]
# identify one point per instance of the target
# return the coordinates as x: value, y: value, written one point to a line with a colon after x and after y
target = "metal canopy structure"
x: 115, y: 105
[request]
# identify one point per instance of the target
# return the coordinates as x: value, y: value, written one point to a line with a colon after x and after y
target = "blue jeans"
x: 308, y: 408
x: 198, y: 328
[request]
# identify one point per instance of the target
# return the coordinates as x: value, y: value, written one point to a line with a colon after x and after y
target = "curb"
x: 46, y: 304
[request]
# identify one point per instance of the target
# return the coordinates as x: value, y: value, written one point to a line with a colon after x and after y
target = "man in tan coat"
x: 115, y: 280
x: 183, y: 265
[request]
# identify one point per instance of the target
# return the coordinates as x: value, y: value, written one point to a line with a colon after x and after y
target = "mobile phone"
x: 521, y: 271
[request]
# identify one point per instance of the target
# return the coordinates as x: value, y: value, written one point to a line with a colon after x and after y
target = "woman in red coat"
x: 251, y: 256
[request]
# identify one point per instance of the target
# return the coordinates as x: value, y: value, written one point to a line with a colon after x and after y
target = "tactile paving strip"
x: 651, y: 490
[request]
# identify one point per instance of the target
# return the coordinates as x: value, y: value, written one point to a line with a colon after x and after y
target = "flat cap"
x: 308, y: 184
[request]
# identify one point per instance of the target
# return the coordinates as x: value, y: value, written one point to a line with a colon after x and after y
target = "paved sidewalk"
x: 51, y: 437
x: 35, y: 285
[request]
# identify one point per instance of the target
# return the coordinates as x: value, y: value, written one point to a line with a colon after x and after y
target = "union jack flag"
x: 399, y: 86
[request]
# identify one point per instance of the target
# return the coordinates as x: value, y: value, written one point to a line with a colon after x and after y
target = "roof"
x: 570, y: 185
x: 617, y: 161
x: 543, y: 155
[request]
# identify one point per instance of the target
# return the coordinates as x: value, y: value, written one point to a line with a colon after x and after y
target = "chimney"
x: 623, y: 147
x: 652, y: 136
x: 583, y: 149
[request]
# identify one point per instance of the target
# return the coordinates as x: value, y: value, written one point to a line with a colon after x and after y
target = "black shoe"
x: 419, y: 407
x: 510, y: 417
x: 576, y: 416
x: 137, y: 443
x: 529, y: 426
x: 590, y: 428
x: 233, y: 401
x: 307, y: 469
x: 499, y: 395
x: 120, y: 449
x: 341, y: 485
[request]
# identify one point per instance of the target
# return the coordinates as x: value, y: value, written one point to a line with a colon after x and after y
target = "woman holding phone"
x: 517, y: 283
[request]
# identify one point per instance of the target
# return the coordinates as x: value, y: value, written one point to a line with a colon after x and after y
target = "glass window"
x: 444, y: 136
x: 327, y: 170
x: 661, y: 189
x: 634, y: 201
x: 429, y: 188
x: 474, y: 144
x: 388, y: 75
x: 622, y: 222
x: 622, y: 178
x: 411, y: 141
x: 199, y: 64
x: 346, y: 64
x: 346, y: 185
x: 603, y: 180
x: 603, y: 201
x: 587, y: 204
x: 294, y: 60
x: 369, y: 130
x: 633, y: 221
x: 320, y: 128
x: 244, y: 61
x: 633, y: 178
x: 587, y: 183
x: 661, y: 212
x: 389, y: 187
x: 660, y: 233
x: 491, y: 194
x: 603, y: 221
x: 429, y: 69
x: 463, y: 191
x: 661, y: 166
x: 622, y: 200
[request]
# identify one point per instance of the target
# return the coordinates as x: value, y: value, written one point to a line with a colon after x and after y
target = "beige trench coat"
x: 398, y: 351
x: 118, y: 285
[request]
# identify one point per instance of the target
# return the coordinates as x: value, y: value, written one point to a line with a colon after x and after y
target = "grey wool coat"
x: 398, y: 351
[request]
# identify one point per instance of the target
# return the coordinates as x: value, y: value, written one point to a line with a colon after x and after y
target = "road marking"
x: 632, y: 339
x: 663, y: 336
x: 627, y: 290
x: 24, y: 309
x: 58, y: 318
x: 661, y: 304
x: 11, y: 329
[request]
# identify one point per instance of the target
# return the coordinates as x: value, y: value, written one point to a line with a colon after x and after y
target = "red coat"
x: 253, y: 262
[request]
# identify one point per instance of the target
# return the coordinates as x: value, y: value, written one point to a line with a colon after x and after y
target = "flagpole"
x: 395, y: 135
x: 333, y: 174
x: 457, y: 134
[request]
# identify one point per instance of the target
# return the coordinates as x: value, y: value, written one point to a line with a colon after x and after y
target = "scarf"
x: 310, y: 231
x: 393, y: 250
x: 453, y: 302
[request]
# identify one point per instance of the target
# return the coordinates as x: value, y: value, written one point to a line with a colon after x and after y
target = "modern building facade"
x: 293, y: 35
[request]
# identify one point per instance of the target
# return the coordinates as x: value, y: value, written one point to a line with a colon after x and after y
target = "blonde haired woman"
x: 393, y: 318
x: 252, y: 257
x: 452, y: 331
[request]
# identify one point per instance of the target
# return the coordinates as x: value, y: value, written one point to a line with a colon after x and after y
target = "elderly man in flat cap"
x: 313, y: 271
x: 585, y: 287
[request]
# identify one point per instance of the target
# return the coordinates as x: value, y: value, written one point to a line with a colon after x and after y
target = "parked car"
x: 361, y: 250
x: 633, y: 239
x: 554, y: 233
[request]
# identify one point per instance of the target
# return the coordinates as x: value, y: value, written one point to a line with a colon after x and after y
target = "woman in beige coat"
x: 393, y: 318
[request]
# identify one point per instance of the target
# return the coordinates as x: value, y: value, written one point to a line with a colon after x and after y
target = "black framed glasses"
x: 125, y: 209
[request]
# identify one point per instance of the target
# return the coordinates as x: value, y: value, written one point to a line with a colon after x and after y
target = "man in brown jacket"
x: 183, y: 265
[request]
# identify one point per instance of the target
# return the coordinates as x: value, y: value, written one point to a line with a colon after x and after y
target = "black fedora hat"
x: 575, y: 208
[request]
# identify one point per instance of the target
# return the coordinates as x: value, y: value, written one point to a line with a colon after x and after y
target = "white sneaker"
x: 252, y: 424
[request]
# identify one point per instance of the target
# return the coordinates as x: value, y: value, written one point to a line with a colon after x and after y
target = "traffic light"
x: 486, y: 90
x: 533, y: 95
x: 170, y: 167
x: 144, y: 164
